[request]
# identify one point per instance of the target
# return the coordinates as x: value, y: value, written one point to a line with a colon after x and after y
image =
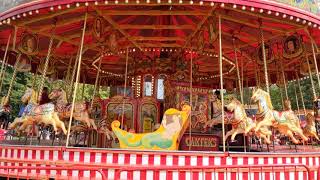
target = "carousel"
x: 188, y: 86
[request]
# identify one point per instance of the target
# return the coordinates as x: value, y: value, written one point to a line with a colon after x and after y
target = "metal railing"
x: 235, y: 170
x: 273, y: 169
x: 39, y: 175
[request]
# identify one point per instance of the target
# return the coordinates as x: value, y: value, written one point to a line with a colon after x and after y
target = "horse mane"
x: 240, y: 105
x: 34, y: 96
x: 64, y: 95
x: 269, y: 103
x: 310, y: 118
x: 268, y: 99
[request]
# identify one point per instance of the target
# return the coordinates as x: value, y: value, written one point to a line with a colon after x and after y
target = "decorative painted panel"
x: 114, y: 112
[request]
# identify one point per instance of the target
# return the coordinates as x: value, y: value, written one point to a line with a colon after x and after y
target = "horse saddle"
x: 34, y: 110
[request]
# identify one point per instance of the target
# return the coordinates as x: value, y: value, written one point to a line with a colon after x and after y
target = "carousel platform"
x: 40, y: 162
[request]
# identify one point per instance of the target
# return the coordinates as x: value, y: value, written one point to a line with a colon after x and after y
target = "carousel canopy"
x: 161, y: 36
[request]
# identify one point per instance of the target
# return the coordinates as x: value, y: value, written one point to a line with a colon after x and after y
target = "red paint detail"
x: 143, y: 173
x: 104, y: 161
x: 175, y: 160
x: 26, y: 156
x: 92, y: 160
x: 41, y: 157
x: 234, y: 174
x: 19, y: 157
x: 267, y: 174
x: 256, y: 161
x: 81, y: 159
x: 71, y: 158
x: 245, y: 162
x: 222, y: 162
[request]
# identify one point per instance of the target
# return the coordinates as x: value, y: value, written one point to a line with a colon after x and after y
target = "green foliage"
x: 85, y: 91
x: 278, y: 94
x: 306, y: 89
x: 27, y: 79
x: 18, y: 88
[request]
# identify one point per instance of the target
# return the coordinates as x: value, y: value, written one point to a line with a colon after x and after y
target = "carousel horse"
x: 310, y: 129
x: 316, y: 106
x: 229, y: 118
x: 37, y: 114
x: 167, y: 137
x: 103, y: 128
x: 81, y: 112
x: 286, y: 121
x: 216, y: 112
x: 240, y: 122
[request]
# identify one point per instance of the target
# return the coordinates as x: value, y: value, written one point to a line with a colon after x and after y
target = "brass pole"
x: 284, y: 80
x: 314, y: 47
x: 264, y: 60
x: 4, y: 61
x: 12, y: 80
x: 296, y: 95
x: 42, y: 81
x: 73, y: 74
x: 281, y: 96
x: 315, y: 64
x: 4, y: 73
x: 77, y: 78
x: 301, y: 95
x: 96, y: 82
x: 83, y: 87
x: 240, y: 82
x: 242, y: 78
x: 257, y: 75
x: 238, y: 72
x: 67, y: 77
x: 221, y: 86
x: 311, y: 79
x: 125, y: 90
x: 190, y: 117
x: 5, y: 57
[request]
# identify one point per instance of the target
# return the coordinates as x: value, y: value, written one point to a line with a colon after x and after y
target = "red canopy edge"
x: 261, y: 4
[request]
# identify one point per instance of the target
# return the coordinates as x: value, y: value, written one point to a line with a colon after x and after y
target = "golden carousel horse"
x: 286, y: 121
x: 310, y: 129
x: 166, y: 137
x: 217, y: 112
x: 81, y: 112
x: 37, y: 114
x: 235, y: 120
x: 241, y: 123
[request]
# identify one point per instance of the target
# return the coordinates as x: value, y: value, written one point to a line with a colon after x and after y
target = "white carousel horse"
x: 37, y: 114
x: 235, y: 119
x: 286, y: 121
x: 310, y: 129
x: 81, y: 111
x: 241, y: 123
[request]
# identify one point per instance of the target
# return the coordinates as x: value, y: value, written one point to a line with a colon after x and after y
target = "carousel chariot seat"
x: 166, y: 137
